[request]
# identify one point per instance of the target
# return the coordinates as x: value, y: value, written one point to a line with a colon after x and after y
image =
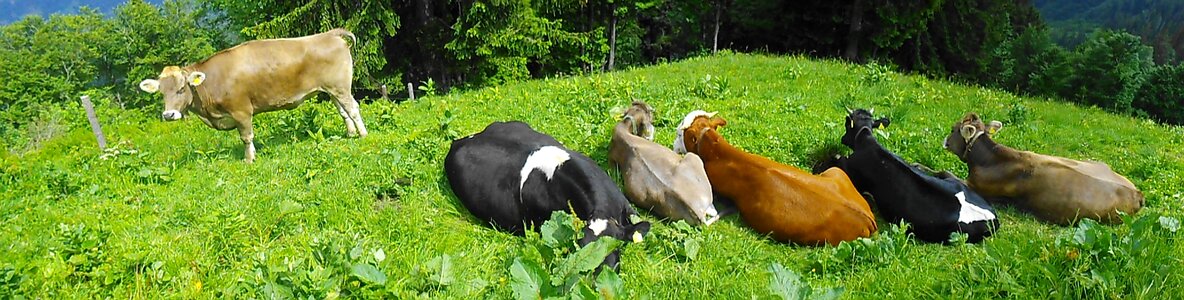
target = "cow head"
x: 696, y: 122
x: 965, y: 132
x: 861, y: 120
x: 641, y: 118
x: 597, y: 228
x: 175, y: 84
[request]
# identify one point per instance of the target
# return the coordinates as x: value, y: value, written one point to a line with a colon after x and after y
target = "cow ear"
x: 196, y: 78
x: 968, y: 131
x: 718, y: 122
x: 150, y: 85
x: 883, y: 122
x: 994, y: 127
x: 639, y: 230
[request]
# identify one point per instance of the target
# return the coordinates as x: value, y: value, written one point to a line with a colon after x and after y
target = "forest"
x: 444, y: 45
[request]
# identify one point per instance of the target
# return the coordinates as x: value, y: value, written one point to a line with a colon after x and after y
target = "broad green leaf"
x: 786, y: 284
x: 691, y: 248
x: 356, y: 252
x: 289, y: 206
x: 829, y: 294
x: 558, y: 232
x: 440, y: 269
x: 583, y: 260
x: 609, y: 284
x: 527, y: 279
x: 581, y: 291
x: 274, y: 290
x: 369, y: 273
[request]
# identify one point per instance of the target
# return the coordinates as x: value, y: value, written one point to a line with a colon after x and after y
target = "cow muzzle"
x: 171, y: 115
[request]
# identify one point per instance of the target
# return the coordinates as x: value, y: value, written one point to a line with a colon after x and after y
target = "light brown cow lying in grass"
x: 655, y: 177
x: 1055, y: 189
x: 228, y: 88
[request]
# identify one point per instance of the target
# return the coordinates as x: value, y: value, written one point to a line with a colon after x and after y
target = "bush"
x: 1030, y: 63
x: 1109, y: 69
x: 1162, y: 94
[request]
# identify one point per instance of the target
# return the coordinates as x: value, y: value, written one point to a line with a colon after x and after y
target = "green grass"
x: 174, y: 213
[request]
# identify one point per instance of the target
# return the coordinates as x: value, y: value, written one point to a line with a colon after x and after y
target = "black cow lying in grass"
x: 513, y: 178
x: 935, y: 207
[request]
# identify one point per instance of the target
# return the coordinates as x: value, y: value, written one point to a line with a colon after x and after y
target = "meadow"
x: 171, y: 211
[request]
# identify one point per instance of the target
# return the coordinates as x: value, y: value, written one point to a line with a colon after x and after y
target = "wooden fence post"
x: 411, y: 90
x: 94, y: 122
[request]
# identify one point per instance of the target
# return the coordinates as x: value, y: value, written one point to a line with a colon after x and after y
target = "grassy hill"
x: 171, y: 211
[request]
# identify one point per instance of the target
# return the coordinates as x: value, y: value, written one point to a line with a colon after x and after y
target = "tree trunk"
x: 853, y: 34
x: 612, y: 40
x: 719, y: 7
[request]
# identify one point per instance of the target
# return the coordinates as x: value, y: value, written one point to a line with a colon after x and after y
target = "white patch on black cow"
x: 598, y: 226
x: 546, y: 159
x: 970, y: 213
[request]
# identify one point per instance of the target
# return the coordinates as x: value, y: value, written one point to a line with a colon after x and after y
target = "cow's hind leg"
x: 350, y: 129
x: 350, y: 112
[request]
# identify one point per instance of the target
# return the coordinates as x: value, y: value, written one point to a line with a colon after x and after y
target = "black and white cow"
x: 513, y: 178
x: 934, y: 206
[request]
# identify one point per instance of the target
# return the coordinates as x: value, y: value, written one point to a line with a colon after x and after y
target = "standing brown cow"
x: 1055, y: 189
x: 228, y: 88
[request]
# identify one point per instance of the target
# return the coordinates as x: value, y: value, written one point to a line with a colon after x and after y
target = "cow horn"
x: 968, y: 131
x: 712, y: 114
x: 994, y: 127
x: 849, y: 110
x: 871, y: 111
x: 150, y: 85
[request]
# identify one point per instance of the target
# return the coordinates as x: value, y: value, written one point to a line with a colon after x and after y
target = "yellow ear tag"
x: 881, y: 126
x: 991, y: 130
x: 637, y: 237
x: 197, y: 80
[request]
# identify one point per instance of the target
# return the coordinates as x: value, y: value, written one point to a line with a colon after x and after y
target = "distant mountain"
x: 13, y: 10
x: 1159, y: 22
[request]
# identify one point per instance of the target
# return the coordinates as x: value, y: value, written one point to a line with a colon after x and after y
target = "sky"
x: 13, y: 10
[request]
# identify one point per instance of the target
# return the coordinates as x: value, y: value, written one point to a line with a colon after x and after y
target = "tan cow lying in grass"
x: 1055, y: 189
x: 227, y: 89
x: 655, y: 177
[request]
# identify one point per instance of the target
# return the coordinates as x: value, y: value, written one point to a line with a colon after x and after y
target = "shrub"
x: 1162, y: 94
x: 1109, y: 69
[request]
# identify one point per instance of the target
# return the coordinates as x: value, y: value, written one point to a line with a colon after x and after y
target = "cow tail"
x: 345, y: 33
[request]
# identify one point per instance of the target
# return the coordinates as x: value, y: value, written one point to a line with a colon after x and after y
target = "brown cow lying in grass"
x: 1055, y: 189
x: 785, y: 202
x: 655, y: 177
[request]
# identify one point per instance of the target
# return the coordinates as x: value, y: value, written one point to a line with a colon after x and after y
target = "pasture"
x: 171, y: 211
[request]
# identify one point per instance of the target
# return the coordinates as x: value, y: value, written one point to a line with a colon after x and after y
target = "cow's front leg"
x: 246, y: 133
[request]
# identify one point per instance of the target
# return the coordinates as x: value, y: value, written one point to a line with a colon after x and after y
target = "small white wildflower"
x: 379, y: 255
